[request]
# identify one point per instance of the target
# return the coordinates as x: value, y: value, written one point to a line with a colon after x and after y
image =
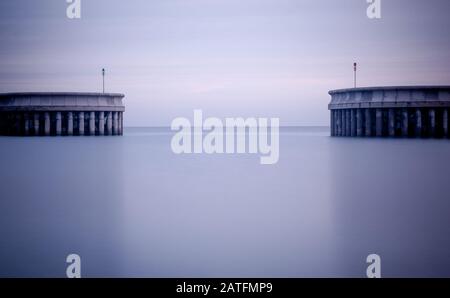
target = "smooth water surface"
x: 130, y: 207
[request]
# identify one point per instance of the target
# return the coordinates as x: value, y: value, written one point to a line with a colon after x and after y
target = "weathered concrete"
x: 58, y: 124
x: 405, y: 126
x: 368, y: 125
x: 46, y: 123
x: 391, y: 120
x: 120, y: 123
x: 391, y: 111
x: 353, y: 123
x: 432, y: 123
x: 336, y: 115
x: 379, y: 123
x: 115, y: 123
x: 26, y: 124
x: 69, y: 123
x: 101, y: 123
x: 92, y: 124
x: 81, y: 123
x: 348, y: 129
x: 109, y: 123
x: 36, y: 124
x: 418, y: 128
x: 60, y: 113
x: 359, y: 123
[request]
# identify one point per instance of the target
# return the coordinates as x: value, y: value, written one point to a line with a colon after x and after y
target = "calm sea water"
x: 130, y: 207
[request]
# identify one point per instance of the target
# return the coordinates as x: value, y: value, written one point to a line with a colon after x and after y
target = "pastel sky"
x: 249, y: 58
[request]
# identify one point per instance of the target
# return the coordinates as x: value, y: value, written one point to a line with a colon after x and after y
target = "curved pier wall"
x: 55, y: 114
x: 416, y: 111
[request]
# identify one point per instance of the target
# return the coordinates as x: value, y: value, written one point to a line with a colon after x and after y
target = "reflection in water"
x: 130, y: 207
x: 392, y: 197
x: 60, y: 196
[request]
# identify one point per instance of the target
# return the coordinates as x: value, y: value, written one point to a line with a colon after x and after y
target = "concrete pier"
x: 46, y: 113
x: 409, y: 111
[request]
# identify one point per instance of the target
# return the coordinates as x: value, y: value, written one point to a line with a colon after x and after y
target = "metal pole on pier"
x: 103, y: 74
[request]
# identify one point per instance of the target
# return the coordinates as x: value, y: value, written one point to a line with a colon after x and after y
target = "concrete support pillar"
x: 405, y: 123
x: 36, y: 124
x: 335, y: 122
x: 332, y: 123
x: 92, y: 123
x: 115, y: 123
x: 69, y: 123
x: 101, y: 123
x: 109, y: 123
x: 120, y: 123
x: 418, y: 128
x: 81, y: 123
x: 347, y: 123
x: 359, y: 123
x: 368, y: 122
x: 338, y: 122
x: 47, y: 123
x: 58, y: 124
x: 26, y: 124
x: 445, y: 123
x: 379, y: 122
x: 432, y: 122
x: 352, y: 123
x: 391, y: 122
